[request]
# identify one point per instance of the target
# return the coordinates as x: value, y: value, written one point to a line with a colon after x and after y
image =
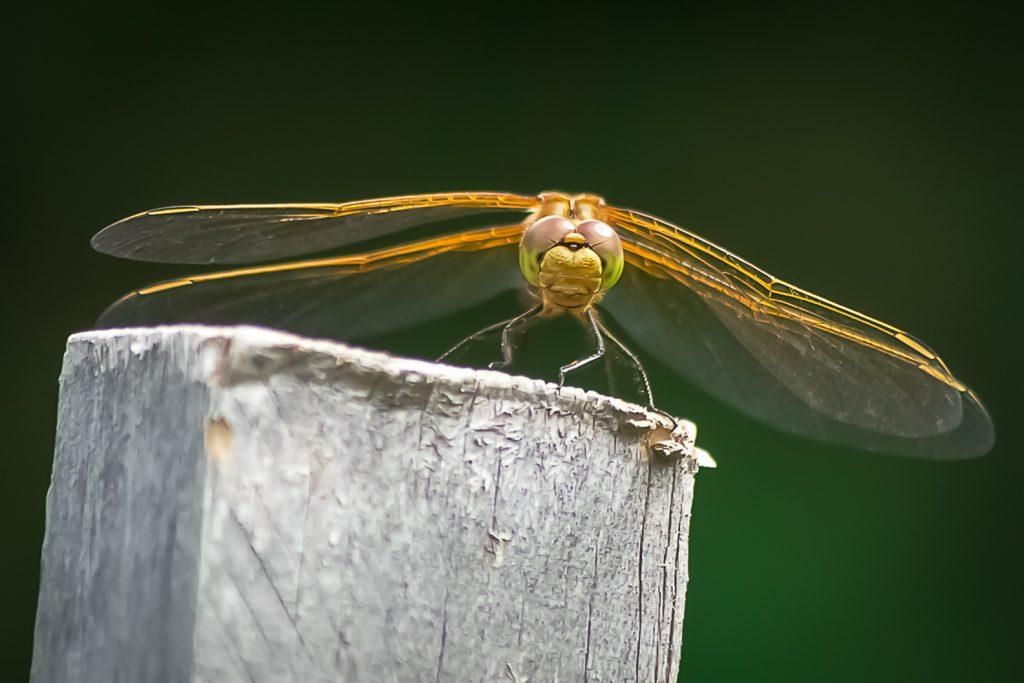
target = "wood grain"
x: 241, y: 504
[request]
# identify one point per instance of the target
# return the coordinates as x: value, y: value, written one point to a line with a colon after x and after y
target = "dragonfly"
x: 780, y: 354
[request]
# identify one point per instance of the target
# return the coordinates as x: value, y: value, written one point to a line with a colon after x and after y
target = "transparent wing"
x: 250, y: 233
x: 785, y: 356
x: 350, y: 298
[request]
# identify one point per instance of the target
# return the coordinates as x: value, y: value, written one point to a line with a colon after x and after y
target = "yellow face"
x: 571, y: 264
x: 570, y: 277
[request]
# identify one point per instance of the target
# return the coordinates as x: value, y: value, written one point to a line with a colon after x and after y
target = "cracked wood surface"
x: 241, y: 504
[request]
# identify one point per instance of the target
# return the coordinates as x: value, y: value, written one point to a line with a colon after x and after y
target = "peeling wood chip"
x: 670, y: 448
x: 704, y: 458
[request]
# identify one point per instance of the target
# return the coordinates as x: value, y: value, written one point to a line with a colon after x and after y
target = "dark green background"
x: 869, y: 154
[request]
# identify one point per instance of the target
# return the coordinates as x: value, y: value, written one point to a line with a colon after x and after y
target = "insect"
x: 778, y: 353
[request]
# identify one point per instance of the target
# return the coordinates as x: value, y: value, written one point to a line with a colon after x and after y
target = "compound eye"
x: 537, y: 240
x: 605, y: 242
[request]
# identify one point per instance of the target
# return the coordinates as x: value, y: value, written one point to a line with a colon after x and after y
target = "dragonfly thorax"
x: 570, y: 262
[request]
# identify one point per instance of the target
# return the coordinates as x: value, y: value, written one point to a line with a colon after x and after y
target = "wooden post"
x: 242, y: 504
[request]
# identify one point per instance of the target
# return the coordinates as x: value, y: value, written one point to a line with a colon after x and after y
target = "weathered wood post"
x: 241, y: 504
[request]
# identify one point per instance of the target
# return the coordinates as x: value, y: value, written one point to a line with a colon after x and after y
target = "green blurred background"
x: 869, y: 154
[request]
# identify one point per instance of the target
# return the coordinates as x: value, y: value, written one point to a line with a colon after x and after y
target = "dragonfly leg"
x: 609, y: 374
x: 504, y: 326
x: 640, y: 369
x: 597, y: 355
x: 507, y: 349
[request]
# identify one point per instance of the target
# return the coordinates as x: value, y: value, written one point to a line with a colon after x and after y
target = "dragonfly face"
x: 570, y: 263
x: 774, y: 351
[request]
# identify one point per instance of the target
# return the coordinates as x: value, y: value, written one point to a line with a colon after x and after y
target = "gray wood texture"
x: 242, y: 504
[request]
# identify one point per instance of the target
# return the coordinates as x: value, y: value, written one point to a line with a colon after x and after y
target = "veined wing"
x: 350, y: 297
x: 786, y: 356
x: 250, y: 233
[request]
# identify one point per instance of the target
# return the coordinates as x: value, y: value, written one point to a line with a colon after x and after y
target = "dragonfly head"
x: 560, y: 247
